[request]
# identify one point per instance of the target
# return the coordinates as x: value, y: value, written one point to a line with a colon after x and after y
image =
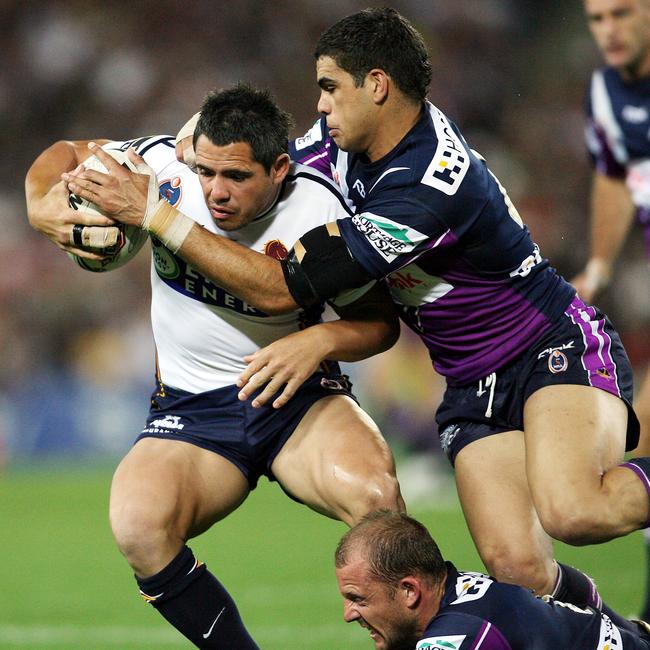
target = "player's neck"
x: 637, y: 70
x: 392, y: 129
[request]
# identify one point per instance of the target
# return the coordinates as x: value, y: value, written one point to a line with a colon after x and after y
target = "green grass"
x: 63, y: 585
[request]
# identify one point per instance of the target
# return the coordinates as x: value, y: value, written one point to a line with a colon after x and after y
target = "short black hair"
x: 395, y: 546
x: 379, y: 38
x: 243, y: 113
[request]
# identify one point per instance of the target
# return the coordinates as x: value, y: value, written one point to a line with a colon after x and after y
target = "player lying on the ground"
x: 202, y: 450
x: 395, y: 583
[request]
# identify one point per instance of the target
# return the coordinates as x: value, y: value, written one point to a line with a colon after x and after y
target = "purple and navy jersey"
x: 433, y: 221
x: 478, y: 613
x: 618, y: 135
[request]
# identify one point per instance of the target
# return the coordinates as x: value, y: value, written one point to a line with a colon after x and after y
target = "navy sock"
x: 573, y: 586
x: 196, y: 604
x: 577, y: 588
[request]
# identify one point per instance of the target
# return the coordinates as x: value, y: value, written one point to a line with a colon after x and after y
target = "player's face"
x: 236, y: 187
x: 369, y: 602
x: 348, y: 109
x: 621, y: 29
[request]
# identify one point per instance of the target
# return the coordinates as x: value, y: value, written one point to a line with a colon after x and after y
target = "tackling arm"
x: 612, y: 214
x: 46, y: 196
x: 367, y: 327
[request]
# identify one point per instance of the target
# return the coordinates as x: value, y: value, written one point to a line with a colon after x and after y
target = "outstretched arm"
x: 47, y: 197
x: 366, y: 327
x: 612, y: 214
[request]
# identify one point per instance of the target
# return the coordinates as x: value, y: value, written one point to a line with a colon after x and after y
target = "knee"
x: 379, y: 492
x: 515, y: 565
x: 571, y: 527
x: 567, y: 521
x: 138, y: 533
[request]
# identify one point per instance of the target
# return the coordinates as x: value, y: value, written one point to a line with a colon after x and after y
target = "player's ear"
x: 410, y: 591
x: 280, y: 168
x: 377, y: 83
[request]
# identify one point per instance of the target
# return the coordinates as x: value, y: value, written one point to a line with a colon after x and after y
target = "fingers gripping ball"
x: 118, y: 243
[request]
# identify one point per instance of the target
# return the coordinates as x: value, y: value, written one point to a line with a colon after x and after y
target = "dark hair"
x: 379, y: 38
x: 246, y: 114
x: 395, y: 545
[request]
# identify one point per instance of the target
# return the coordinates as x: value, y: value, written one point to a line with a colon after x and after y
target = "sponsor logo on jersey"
x: 414, y: 287
x: 564, y: 346
x: 634, y: 114
x: 172, y: 190
x: 450, y: 161
x: 610, y: 636
x: 441, y: 642
x: 164, y: 262
x: 313, y: 135
x: 528, y: 264
x: 275, y: 249
x: 164, y: 425
x: 557, y: 362
x: 181, y: 277
x: 471, y: 586
x: 389, y: 238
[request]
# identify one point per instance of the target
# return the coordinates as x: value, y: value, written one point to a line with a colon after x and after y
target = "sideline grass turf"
x: 63, y: 584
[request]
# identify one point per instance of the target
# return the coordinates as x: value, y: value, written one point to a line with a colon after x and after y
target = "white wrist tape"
x: 167, y: 224
x: 598, y: 273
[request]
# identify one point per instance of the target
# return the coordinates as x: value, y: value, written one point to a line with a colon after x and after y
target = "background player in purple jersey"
x: 537, y: 413
x: 618, y: 108
x: 395, y: 583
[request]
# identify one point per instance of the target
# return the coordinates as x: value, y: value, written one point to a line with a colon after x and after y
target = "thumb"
x: 137, y: 160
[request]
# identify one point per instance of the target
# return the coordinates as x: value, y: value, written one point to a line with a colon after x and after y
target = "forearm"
x: 612, y: 214
x: 255, y: 278
x: 353, y: 340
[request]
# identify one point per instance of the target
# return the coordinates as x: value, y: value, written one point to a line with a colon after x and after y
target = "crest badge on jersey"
x: 172, y: 190
x: 276, y: 249
x: 557, y: 361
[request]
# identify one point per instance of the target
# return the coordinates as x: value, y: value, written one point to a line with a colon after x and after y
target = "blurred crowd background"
x: 77, y: 359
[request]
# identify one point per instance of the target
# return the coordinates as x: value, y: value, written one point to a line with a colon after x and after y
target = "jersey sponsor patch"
x: 414, y: 287
x: 450, y: 161
x: 441, y: 642
x: 471, y: 586
x: 313, y: 135
x: 610, y: 636
x: 389, y: 238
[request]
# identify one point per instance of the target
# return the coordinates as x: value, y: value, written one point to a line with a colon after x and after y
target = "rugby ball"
x: 130, y: 239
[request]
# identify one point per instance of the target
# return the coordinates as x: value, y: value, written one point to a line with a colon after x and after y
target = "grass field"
x: 63, y: 585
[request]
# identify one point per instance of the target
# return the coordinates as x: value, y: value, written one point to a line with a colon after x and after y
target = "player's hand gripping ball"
x: 118, y: 243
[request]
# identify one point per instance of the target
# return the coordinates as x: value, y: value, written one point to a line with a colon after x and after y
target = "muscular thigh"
x: 171, y: 483
x: 574, y: 434
x: 337, y: 462
x: 493, y: 490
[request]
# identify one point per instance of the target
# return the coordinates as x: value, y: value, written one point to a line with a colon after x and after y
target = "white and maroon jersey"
x: 618, y: 135
x: 201, y: 331
x: 460, y: 264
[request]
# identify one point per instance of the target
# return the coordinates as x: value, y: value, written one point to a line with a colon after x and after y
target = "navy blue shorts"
x: 217, y: 421
x: 583, y: 349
